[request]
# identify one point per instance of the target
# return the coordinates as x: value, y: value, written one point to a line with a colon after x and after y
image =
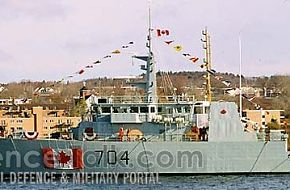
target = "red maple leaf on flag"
x: 63, y: 158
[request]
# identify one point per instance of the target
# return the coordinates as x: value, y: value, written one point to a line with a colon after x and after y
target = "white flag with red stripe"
x: 63, y: 158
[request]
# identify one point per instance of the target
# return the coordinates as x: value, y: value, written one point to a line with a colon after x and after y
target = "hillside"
x: 270, y: 92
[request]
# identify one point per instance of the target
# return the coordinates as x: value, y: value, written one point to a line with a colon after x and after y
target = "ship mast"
x: 151, y: 86
x: 207, y: 62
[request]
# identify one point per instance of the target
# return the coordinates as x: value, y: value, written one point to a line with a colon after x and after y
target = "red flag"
x: 162, y: 32
x: 81, y: 71
x: 169, y: 42
x: 194, y: 59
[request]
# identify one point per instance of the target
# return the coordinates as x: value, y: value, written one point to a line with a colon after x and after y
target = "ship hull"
x: 163, y: 157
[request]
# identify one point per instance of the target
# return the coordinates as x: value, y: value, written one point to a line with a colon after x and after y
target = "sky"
x: 52, y: 39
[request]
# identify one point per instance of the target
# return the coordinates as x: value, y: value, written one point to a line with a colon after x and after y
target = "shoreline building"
x: 263, y: 117
x: 45, y: 121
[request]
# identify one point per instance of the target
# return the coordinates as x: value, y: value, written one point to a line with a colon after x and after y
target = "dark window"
x: 152, y: 109
x: 134, y: 109
x: 144, y: 109
x: 106, y: 110
x: 244, y: 114
x: 102, y: 100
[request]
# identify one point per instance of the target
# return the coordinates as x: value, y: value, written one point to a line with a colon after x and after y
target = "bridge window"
x: 134, y: 109
x: 116, y: 110
x: 198, y: 110
x: 187, y: 109
x: 106, y: 110
x: 144, y: 110
x: 102, y: 100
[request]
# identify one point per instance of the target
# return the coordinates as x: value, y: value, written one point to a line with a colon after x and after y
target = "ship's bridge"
x: 135, y: 109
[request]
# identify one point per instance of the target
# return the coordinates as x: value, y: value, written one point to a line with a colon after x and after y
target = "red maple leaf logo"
x: 223, y: 111
x: 63, y: 158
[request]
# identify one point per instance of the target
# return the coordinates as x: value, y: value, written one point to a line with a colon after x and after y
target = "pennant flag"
x: 131, y: 42
x: 186, y: 55
x: 194, y: 59
x: 97, y: 62
x: 125, y: 47
x: 177, y: 48
x: 63, y: 158
x: 107, y: 56
x: 169, y: 42
x: 116, y: 52
x: 249, y: 99
x: 89, y: 66
x: 210, y: 72
x: 227, y: 83
x: 162, y: 32
x: 81, y: 71
x: 60, y: 80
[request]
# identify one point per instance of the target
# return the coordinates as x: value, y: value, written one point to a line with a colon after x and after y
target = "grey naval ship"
x: 168, y: 135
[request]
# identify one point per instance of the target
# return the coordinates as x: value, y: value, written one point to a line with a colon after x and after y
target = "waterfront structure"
x: 45, y: 121
x: 263, y: 117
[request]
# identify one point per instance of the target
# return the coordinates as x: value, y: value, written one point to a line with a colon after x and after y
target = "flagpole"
x: 241, y: 103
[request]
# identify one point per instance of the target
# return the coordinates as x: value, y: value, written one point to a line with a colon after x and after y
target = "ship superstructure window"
x: 152, y: 109
x: 144, y: 109
x: 198, y: 110
x: 187, y: 109
x: 179, y: 110
x: 244, y: 114
x: 169, y: 110
x: 102, y: 100
x: 206, y: 109
x: 124, y: 110
x: 134, y: 110
x: 106, y: 109
x: 116, y: 110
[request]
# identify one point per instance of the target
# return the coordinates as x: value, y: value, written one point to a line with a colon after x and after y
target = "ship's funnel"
x: 225, y: 124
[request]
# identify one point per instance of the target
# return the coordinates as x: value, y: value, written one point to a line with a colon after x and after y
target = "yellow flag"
x: 177, y: 48
x: 116, y: 51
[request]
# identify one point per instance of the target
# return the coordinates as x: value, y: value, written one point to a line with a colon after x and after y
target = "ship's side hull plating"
x: 163, y: 157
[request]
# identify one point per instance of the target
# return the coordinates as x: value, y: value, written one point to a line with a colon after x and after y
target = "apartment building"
x: 42, y: 120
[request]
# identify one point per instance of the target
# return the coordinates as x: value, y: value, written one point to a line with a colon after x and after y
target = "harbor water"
x: 177, y: 182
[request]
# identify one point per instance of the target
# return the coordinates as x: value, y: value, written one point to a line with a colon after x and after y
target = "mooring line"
x: 259, y: 155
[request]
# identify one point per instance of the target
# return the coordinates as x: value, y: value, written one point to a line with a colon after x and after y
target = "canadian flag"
x: 63, y: 158
x: 161, y: 32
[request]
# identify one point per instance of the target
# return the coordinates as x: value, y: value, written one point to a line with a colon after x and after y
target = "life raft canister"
x: 30, y: 135
x: 89, y: 134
